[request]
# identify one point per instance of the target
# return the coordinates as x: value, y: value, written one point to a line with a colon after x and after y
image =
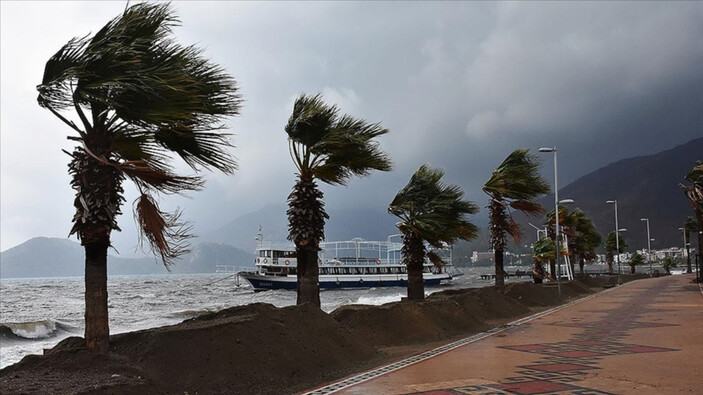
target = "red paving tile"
x: 558, y: 367
x: 535, y: 387
x: 577, y: 354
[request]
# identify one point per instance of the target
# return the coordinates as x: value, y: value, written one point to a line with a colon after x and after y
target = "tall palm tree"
x: 690, y: 226
x: 330, y: 148
x: 694, y: 193
x: 430, y: 212
x: 139, y: 97
x: 586, y: 244
x: 516, y: 184
x: 611, y: 245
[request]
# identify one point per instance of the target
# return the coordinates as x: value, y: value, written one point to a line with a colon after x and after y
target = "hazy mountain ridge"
x: 645, y: 187
x: 54, y: 257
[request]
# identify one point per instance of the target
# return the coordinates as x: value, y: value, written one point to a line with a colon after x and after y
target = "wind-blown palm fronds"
x: 430, y: 212
x: 515, y: 184
x: 583, y: 237
x: 330, y: 148
x: 611, y: 248
x: 694, y: 193
x: 139, y: 97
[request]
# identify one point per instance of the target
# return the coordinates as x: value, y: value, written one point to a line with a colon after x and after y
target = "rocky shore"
x: 261, y: 349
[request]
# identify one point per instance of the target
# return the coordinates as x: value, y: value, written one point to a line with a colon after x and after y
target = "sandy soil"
x: 261, y: 349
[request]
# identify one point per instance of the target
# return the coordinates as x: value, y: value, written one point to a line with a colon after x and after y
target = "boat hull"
x: 263, y: 283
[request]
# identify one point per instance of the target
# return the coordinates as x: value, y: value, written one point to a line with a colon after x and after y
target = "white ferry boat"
x: 355, y: 263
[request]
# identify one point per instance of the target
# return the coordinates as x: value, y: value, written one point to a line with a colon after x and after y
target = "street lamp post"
x: 556, y: 214
x: 684, y: 243
x: 649, y: 247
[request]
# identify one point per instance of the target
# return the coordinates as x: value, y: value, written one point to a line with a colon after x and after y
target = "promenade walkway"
x: 644, y: 337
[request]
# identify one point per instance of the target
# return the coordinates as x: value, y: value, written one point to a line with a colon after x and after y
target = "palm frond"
x: 311, y: 120
x: 166, y: 234
x: 514, y: 230
x: 434, y: 211
x: 517, y: 178
x: 147, y: 175
x: 528, y: 207
x: 60, y: 73
x: 330, y: 147
x: 435, y: 259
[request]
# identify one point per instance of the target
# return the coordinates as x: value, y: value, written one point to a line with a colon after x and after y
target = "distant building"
x: 479, y: 256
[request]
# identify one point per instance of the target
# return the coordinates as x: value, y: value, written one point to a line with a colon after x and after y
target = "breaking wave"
x: 379, y: 300
x: 33, y: 330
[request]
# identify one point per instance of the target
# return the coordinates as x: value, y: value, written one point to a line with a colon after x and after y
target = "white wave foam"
x: 379, y: 300
x: 33, y: 330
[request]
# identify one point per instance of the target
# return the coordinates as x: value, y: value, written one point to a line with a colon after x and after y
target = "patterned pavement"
x: 617, y: 341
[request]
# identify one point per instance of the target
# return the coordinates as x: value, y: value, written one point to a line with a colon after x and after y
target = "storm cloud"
x: 459, y: 84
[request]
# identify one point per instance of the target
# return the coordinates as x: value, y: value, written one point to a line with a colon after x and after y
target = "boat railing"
x: 231, y: 269
x: 276, y: 246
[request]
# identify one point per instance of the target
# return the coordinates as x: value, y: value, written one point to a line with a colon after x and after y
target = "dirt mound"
x: 250, y: 349
x: 403, y: 323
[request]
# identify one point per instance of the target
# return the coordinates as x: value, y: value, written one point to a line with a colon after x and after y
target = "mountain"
x: 346, y: 224
x: 644, y: 187
x: 52, y: 257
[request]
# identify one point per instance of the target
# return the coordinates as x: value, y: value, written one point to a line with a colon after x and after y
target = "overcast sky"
x: 459, y: 84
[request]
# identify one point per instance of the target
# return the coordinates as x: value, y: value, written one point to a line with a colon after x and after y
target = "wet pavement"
x: 643, y: 337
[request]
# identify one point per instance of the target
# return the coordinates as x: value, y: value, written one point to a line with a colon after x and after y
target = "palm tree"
x: 611, y: 246
x: 668, y: 264
x: 430, y: 212
x: 635, y: 260
x: 139, y: 96
x: 583, y: 237
x: 694, y: 193
x: 544, y: 252
x: 516, y: 184
x: 689, y: 226
x: 332, y: 149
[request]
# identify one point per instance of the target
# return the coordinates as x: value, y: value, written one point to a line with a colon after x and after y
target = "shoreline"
x: 259, y: 348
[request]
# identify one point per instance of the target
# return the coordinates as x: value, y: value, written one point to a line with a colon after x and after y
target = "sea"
x: 37, y: 313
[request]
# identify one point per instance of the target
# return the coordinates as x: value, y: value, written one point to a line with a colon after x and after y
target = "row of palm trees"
x: 694, y: 192
x: 141, y: 98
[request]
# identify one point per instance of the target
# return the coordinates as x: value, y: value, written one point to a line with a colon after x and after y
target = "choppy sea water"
x: 36, y: 314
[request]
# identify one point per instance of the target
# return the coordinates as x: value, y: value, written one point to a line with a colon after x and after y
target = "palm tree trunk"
x: 609, y: 259
x: 98, y: 200
x: 499, y: 225
x: 97, y: 330
x: 414, y: 250
x: 306, y: 226
x: 308, y: 286
x: 581, y: 265
x: 498, y: 260
x: 688, y: 252
x: 699, y: 219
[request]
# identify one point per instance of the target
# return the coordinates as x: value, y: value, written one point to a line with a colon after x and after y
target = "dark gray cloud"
x: 460, y: 85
